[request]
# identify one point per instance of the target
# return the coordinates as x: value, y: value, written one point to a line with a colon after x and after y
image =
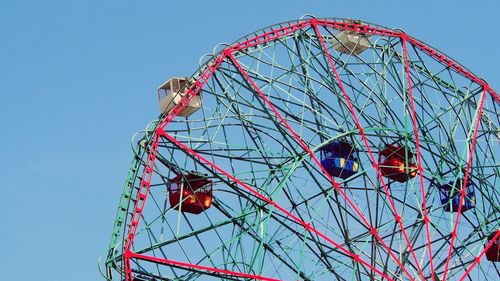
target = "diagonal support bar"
x: 419, y: 155
x: 478, y: 257
x: 479, y: 113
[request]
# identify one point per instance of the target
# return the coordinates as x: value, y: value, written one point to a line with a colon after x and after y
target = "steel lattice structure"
x: 270, y: 101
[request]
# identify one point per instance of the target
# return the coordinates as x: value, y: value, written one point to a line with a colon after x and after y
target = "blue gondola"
x: 339, y: 159
x: 450, y: 195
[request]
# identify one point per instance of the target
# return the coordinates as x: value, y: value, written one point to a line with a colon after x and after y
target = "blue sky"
x: 78, y: 78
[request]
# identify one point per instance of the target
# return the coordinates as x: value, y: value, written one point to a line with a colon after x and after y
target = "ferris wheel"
x: 317, y: 149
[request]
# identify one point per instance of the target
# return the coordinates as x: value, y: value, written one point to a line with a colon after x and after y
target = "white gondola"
x: 170, y: 94
x: 349, y: 41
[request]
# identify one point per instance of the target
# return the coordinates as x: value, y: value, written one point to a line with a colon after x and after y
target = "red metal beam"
x: 201, y: 267
x: 464, y: 184
x: 419, y: 155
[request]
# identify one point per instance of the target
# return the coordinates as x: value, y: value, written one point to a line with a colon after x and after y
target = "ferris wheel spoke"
x: 361, y: 131
x: 419, y: 157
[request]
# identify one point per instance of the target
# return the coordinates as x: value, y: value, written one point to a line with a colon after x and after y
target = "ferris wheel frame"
x: 228, y: 55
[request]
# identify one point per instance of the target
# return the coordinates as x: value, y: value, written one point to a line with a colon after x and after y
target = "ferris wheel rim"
x: 436, y: 53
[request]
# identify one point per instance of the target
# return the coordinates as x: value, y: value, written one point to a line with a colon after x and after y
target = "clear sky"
x: 78, y: 78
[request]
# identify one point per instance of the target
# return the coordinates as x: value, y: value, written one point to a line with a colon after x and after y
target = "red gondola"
x: 493, y: 252
x: 193, y: 191
x: 397, y: 164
